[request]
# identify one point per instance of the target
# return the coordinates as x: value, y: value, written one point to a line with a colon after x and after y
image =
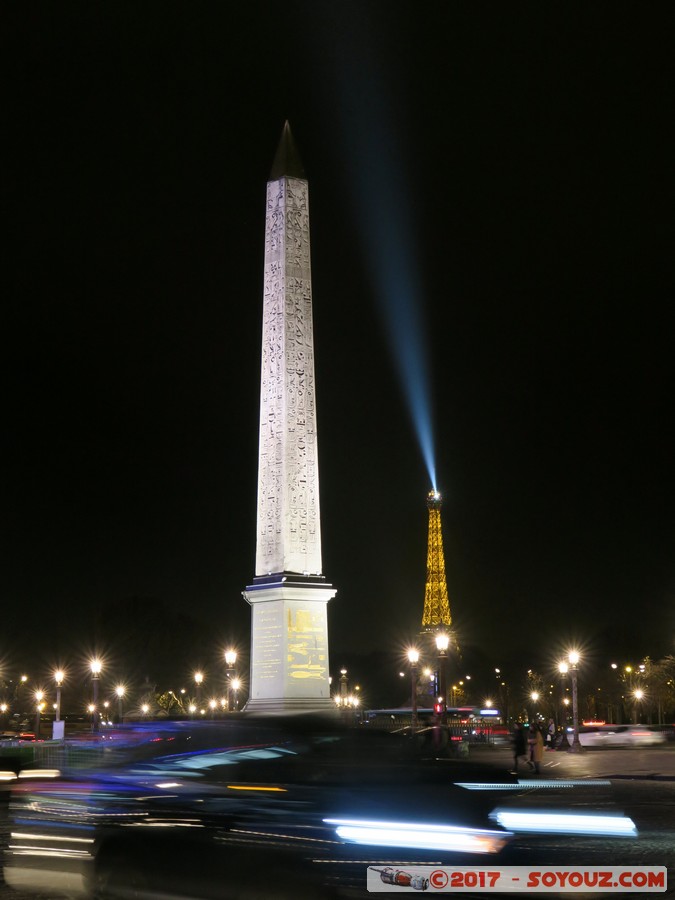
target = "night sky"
x: 505, y: 172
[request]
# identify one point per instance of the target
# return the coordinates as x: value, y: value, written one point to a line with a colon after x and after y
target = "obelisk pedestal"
x: 289, y: 644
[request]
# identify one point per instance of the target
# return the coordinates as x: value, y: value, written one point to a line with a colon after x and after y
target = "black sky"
x: 537, y: 151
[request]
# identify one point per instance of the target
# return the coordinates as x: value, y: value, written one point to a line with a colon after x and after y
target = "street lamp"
x: 95, y: 667
x: 563, y: 668
x: 199, y: 678
x: 230, y: 662
x: 344, y: 686
x: 58, y: 678
x: 638, y: 694
x: 442, y: 643
x: 120, y: 691
x: 413, y: 659
x: 236, y: 684
x: 39, y: 697
x: 573, y: 658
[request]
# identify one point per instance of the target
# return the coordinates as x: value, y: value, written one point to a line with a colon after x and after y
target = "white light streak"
x: 521, y: 784
x: 419, y: 836
x: 565, y: 823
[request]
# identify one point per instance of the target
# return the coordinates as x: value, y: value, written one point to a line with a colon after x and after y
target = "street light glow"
x: 442, y: 642
x: 95, y: 666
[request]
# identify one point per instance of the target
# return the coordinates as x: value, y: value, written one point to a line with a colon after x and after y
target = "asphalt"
x: 644, y: 763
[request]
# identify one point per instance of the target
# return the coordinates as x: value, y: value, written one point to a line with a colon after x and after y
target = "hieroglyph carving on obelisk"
x: 288, y: 521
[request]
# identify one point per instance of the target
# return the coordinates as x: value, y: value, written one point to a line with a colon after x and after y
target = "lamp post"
x: 96, y: 667
x: 442, y: 643
x: 39, y: 697
x: 413, y: 658
x: 563, y: 668
x: 344, y: 685
x: 120, y: 692
x: 199, y: 678
x: 230, y: 663
x: 58, y: 678
x: 638, y: 694
x: 573, y: 658
x: 236, y: 684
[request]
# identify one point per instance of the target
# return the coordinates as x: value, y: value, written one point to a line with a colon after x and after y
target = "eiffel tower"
x: 436, y: 616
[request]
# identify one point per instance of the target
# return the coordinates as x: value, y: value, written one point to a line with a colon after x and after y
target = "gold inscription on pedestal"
x: 306, y: 643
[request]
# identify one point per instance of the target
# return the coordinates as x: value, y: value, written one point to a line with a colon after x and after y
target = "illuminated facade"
x: 289, y: 595
x: 436, y: 614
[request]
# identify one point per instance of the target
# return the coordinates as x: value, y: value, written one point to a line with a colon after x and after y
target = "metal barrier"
x: 64, y: 755
x: 57, y: 755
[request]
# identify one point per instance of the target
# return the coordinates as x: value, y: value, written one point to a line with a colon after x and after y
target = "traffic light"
x: 438, y: 708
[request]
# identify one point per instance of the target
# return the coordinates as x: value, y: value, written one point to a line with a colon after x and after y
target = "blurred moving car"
x: 252, y: 808
x: 597, y: 736
x: 24, y: 736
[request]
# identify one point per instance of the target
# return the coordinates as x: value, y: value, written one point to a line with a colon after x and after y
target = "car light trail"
x: 565, y: 823
x: 39, y: 773
x: 518, y: 786
x: 419, y: 836
x: 246, y: 787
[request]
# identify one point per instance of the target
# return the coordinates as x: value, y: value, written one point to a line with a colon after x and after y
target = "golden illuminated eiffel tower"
x: 436, y: 616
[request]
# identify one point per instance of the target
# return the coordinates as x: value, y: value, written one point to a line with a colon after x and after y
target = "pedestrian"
x: 519, y: 745
x: 550, y: 735
x: 536, y: 742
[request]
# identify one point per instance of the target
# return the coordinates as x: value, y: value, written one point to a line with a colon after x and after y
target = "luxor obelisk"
x: 289, y: 595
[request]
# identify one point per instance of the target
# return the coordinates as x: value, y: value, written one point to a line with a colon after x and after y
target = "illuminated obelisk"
x: 289, y: 595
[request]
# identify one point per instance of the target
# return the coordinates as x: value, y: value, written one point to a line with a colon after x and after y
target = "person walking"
x: 550, y: 735
x: 536, y: 742
x: 519, y: 745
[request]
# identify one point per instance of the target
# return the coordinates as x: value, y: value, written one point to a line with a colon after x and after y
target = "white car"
x: 596, y: 736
